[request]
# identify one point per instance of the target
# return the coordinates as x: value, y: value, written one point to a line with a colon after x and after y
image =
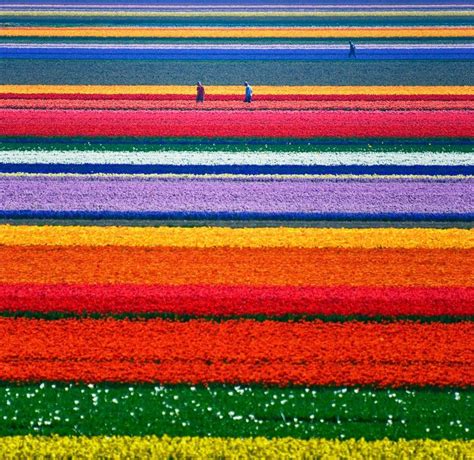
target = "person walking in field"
x: 200, y: 92
x: 352, y: 50
x: 248, y: 92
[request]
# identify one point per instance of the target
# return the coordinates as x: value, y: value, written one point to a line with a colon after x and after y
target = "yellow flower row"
x: 236, y: 90
x: 229, y: 448
x: 389, y: 13
x: 204, y: 237
x: 240, y: 32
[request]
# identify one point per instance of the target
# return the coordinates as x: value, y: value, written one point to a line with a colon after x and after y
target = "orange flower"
x: 240, y: 351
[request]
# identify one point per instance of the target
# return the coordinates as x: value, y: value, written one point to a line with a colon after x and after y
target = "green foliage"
x: 55, y: 315
x: 157, y: 72
x: 235, y: 410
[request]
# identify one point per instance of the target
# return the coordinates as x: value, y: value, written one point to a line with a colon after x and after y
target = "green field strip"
x: 58, y: 315
x: 236, y: 411
x: 249, y: 144
x: 240, y: 224
x: 156, y: 72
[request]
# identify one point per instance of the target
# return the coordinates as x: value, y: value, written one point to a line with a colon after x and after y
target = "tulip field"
x: 288, y: 278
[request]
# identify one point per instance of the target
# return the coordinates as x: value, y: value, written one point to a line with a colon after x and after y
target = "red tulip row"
x: 213, y: 104
x: 237, y: 300
x: 238, y: 351
x: 232, y: 97
x: 238, y: 123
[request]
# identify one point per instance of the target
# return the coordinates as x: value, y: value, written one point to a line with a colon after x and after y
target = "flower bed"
x: 289, y: 278
x: 263, y: 103
x: 207, y: 447
x: 298, y: 124
x: 235, y: 266
x: 224, y: 301
x: 247, y: 197
x: 237, y: 351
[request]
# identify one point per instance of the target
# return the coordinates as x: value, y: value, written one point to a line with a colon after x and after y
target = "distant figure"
x: 248, y: 92
x: 200, y: 92
x: 352, y: 50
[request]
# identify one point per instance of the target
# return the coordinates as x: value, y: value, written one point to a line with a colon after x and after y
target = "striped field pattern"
x: 289, y: 278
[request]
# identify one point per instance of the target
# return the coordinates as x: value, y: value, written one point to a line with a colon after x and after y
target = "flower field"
x: 290, y: 278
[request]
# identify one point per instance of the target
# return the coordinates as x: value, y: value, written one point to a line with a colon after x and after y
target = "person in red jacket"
x: 200, y: 92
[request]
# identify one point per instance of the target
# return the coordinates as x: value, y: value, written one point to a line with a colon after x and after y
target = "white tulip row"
x: 236, y: 158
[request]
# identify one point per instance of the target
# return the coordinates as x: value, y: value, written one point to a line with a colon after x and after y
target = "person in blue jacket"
x: 248, y: 92
x: 352, y: 50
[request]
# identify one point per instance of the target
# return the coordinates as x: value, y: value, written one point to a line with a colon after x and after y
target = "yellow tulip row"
x: 236, y: 90
x: 206, y: 237
x: 228, y: 448
x: 240, y: 32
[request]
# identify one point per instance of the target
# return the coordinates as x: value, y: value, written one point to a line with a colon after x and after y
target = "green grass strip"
x: 190, y: 144
x: 236, y: 411
x: 159, y: 72
x: 241, y: 223
x: 58, y: 315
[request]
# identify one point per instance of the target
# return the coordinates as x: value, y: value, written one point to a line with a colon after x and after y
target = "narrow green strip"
x: 236, y: 411
x: 190, y: 144
x: 57, y: 315
x: 241, y: 223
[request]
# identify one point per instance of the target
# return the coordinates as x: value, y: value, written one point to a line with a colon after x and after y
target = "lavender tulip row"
x: 316, y: 195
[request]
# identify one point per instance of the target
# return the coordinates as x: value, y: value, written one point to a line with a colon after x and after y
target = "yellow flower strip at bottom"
x: 205, y: 237
x: 229, y: 448
x: 237, y: 90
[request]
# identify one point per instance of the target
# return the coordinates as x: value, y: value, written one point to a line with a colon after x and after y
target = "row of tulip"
x: 295, y: 91
x: 208, y: 157
x: 165, y: 161
x: 236, y: 266
x: 216, y: 103
x: 245, y: 196
x: 241, y: 32
x: 237, y: 123
x: 340, y: 303
x: 311, y: 53
x: 229, y: 448
x: 237, y: 351
x: 246, y: 11
x: 213, y: 237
